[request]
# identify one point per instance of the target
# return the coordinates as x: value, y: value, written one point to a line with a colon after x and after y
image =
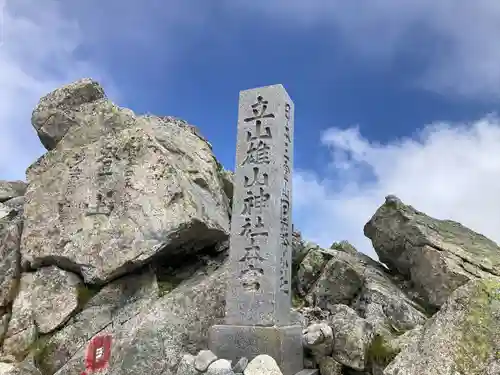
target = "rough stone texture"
x: 261, y: 228
x: 203, y: 360
x: 16, y: 204
x: 241, y: 365
x: 113, y: 305
x: 228, y: 183
x: 437, y: 256
x: 327, y: 277
x: 318, y: 338
x: 462, y: 338
x: 262, y: 364
x: 186, y: 366
x: 284, y: 344
x: 344, y: 246
x: 153, y: 339
x: 329, y: 366
x: 352, y: 336
x: 46, y: 300
x: 160, y: 266
x: 57, y: 111
x: 118, y: 190
x: 18, y: 369
x: 339, y: 282
x: 220, y: 367
x: 11, y: 227
x: 308, y: 372
x: 11, y: 189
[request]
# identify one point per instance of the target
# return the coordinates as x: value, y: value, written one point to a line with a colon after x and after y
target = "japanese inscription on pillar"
x: 260, y: 252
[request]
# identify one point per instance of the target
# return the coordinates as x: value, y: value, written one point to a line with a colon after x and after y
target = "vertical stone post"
x: 258, y: 298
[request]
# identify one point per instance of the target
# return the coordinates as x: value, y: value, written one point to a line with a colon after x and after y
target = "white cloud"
x: 48, y: 43
x: 36, y: 56
x: 454, y: 41
x: 449, y: 171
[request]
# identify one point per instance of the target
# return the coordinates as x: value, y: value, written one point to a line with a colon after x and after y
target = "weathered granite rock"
x: 352, y: 336
x: 241, y: 365
x: 329, y: 366
x: 112, y: 306
x: 118, y: 190
x: 11, y: 227
x: 57, y: 111
x: 262, y: 364
x: 186, y: 366
x: 11, y: 189
x: 327, y: 277
x: 153, y: 339
x: 46, y: 300
x: 228, y: 182
x: 437, y: 256
x: 16, y: 204
x: 462, y: 338
x: 318, y: 338
x: 204, y: 359
x: 339, y: 282
x: 220, y: 367
x: 18, y: 369
x: 344, y: 246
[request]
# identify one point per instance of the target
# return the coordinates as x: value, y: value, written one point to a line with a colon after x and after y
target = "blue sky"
x: 391, y: 96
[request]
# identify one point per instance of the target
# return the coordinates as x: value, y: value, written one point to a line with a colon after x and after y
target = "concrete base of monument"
x: 284, y: 344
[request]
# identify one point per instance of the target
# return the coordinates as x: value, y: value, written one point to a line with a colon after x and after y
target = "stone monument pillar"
x: 258, y: 297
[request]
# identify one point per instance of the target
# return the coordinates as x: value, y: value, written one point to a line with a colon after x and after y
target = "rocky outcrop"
x: 59, y: 110
x: 328, y: 277
x: 119, y: 189
x: 434, y: 256
x: 462, y: 338
x: 121, y: 231
x: 11, y: 189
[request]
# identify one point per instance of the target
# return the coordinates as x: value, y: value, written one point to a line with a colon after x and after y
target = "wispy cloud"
x: 454, y: 41
x: 49, y: 43
x: 36, y: 56
x: 449, y: 171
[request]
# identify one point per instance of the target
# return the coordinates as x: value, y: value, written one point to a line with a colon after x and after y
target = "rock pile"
x: 121, y: 230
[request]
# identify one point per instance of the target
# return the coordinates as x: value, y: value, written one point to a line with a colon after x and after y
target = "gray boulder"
x: 118, y: 190
x: 11, y: 189
x: 58, y: 111
x: 45, y: 301
x: 462, y: 338
x: 153, y: 339
x: 327, y: 277
x: 435, y: 256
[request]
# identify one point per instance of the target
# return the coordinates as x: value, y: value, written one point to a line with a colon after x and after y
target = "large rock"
x: 7, y: 368
x: 155, y: 338
x: 327, y: 277
x: 11, y: 226
x: 118, y: 190
x: 11, y: 189
x: 45, y: 301
x: 113, y: 305
x: 436, y: 256
x: 352, y: 337
x: 57, y: 111
x: 462, y: 338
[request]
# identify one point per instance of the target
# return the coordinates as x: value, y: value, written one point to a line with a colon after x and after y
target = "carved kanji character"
x: 255, y: 201
x: 257, y: 153
x: 257, y: 179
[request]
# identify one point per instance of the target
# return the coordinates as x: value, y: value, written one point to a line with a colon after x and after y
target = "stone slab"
x: 308, y: 372
x: 261, y: 230
x: 284, y: 344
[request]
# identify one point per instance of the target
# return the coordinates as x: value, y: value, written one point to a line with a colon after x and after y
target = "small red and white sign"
x: 98, y: 354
